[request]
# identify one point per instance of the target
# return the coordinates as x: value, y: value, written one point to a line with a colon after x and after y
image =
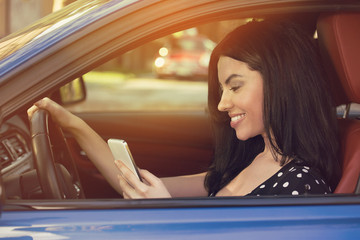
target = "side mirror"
x: 70, y: 93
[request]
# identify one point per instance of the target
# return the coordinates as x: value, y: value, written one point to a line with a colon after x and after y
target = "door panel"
x: 167, y: 144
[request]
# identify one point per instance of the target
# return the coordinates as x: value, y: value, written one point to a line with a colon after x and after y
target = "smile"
x: 238, y: 117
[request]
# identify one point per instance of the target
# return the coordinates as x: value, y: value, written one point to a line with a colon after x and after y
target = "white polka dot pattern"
x: 293, y: 179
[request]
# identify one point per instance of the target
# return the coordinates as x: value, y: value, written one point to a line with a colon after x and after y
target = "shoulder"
x: 294, y: 179
x: 302, y: 179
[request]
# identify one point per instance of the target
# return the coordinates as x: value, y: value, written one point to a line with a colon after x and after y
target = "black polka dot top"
x: 295, y: 178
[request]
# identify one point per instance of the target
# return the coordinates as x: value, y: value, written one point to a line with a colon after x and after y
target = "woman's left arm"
x: 153, y: 187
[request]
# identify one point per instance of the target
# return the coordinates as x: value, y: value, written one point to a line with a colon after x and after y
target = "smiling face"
x: 242, y: 97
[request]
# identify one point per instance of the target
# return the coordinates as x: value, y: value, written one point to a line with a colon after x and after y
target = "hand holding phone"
x: 121, y: 151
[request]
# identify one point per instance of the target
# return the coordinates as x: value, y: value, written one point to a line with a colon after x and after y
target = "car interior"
x: 338, y: 39
x: 167, y: 143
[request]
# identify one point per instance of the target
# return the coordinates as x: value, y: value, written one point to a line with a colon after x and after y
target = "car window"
x: 351, y: 110
x: 167, y: 74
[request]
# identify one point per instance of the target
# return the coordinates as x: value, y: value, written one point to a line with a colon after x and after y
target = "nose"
x: 225, y: 103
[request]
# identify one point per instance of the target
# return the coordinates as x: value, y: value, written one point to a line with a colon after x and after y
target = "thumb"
x: 149, y: 177
x: 31, y: 110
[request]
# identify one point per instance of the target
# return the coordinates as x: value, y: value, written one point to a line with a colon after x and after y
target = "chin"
x: 242, y: 136
x: 245, y: 135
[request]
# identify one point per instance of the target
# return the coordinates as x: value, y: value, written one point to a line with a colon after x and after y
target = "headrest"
x: 339, y: 39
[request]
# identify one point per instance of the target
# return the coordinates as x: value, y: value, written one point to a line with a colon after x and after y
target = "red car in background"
x: 184, y: 55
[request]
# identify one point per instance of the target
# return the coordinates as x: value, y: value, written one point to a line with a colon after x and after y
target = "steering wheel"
x: 56, y: 169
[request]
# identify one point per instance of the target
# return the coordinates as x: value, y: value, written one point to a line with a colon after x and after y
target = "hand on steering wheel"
x: 58, y: 179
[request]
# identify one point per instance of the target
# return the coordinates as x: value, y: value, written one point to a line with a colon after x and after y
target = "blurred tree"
x: 3, y: 19
x: 19, y: 13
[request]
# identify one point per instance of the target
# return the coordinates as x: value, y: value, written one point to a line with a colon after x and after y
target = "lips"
x: 235, y: 119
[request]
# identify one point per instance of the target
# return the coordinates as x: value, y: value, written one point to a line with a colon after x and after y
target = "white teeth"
x: 238, y: 117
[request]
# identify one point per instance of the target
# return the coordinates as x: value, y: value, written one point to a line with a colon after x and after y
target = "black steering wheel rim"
x: 55, y: 180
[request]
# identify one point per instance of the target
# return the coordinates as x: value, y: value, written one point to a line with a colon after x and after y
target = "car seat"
x: 339, y: 38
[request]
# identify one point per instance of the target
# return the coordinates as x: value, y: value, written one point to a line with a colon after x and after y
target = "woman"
x: 274, y: 126
x: 298, y: 120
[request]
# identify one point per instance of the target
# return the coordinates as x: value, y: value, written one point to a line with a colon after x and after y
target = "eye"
x: 235, y: 85
x: 235, y: 88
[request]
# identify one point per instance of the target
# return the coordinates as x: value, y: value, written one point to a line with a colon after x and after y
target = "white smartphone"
x: 121, y: 151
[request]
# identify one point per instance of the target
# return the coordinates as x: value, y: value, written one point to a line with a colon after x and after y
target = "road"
x: 143, y: 94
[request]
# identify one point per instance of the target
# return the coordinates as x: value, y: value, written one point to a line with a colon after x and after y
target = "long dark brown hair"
x: 297, y: 110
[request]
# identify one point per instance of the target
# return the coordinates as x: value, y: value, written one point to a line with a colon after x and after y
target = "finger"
x: 39, y: 104
x: 47, y: 104
x: 31, y: 110
x: 125, y: 196
x: 150, y: 178
x: 130, y: 177
x: 127, y: 189
x: 42, y: 103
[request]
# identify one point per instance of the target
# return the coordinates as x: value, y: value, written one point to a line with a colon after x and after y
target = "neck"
x: 269, y: 150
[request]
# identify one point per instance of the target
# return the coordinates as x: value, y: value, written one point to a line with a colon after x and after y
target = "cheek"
x: 252, y: 100
x: 260, y: 109
x: 256, y: 106
x: 259, y: 104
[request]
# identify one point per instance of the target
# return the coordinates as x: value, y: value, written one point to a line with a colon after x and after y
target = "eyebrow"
x: 227, y: 81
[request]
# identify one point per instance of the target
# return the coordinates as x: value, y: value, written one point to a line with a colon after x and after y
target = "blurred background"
x: 167, y: 74
x: 16, y: 14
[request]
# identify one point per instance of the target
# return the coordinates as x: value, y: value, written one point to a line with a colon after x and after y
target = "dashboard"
x: 16, y: 159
